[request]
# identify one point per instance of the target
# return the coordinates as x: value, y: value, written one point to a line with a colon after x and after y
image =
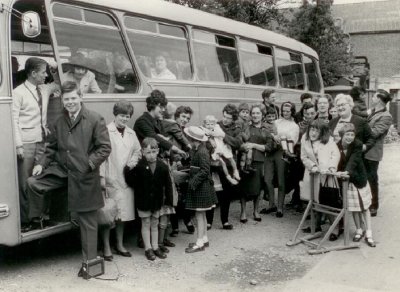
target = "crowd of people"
x: 161, y: 170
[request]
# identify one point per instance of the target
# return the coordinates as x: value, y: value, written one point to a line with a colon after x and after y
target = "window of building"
x: 289, y: 69
x: 257, y: 62
x: 91, y: 40
x: 313, y: 80
x: 216, y: 57
x: 162, y: 50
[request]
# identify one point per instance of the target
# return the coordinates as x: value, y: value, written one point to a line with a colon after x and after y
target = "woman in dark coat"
x: 359, y: 194
x: 201, y: 194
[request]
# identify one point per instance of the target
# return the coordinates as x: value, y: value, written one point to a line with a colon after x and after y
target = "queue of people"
x: 161, y: 170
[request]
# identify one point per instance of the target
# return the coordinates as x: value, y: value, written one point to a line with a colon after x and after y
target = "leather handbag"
x: 330, y: 195
x: 106, y: 215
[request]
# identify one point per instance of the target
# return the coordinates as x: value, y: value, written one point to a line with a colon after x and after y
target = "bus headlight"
x: 4, y: 210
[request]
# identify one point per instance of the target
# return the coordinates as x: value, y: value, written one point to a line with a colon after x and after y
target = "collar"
x: 113, y: 128
x: 75, y: 114
x: 30, y: 86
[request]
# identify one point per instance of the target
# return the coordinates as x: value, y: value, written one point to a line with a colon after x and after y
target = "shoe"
x: 159, y: 253
x: 208, y: 226
x: 123, y: 253
x: 279, y: 214
x: 357, y: 237
x: 370, y: 241
x: 83, y: 274
x: 308, y: 229
x: 373, y: 212
x: 333, y: 237
x: 227, y: 226
x: 163, y: 248
x: 150, y: 254
x: 269, y: 210
x: 174, y: 233
x: 206, y: 244
x: 190, y: 228
x: 194, y: 248
x: 258, y: 219
x: 108, y: 258
x: 168, y: 243
x: 244, y: 221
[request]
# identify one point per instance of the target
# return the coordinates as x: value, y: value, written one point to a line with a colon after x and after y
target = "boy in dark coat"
x: 152, y: 184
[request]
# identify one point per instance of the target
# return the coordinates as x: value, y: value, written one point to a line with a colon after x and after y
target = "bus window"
x: 289, y: 69
x: 257, y: 62
x: 216, y: 57
x: 162, y: 50
x: 91, y: 41
x: 311, y: 74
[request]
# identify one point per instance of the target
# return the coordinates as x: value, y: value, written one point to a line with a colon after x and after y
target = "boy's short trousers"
x: 147, y: 214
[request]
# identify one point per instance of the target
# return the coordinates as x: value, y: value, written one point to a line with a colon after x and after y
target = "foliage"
x: 263, y: 13
x: 314, y: 26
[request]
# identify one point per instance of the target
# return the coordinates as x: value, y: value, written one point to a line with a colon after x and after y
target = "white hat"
x: 196, y: 133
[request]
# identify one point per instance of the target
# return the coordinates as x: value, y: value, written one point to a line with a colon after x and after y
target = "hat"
x: 196, y: 133
x: 79, y: 60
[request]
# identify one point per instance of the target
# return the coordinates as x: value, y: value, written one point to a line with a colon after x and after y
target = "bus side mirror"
x: 30, y: 22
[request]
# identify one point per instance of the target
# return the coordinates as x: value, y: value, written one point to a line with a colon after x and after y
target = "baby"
x: 221, y: 150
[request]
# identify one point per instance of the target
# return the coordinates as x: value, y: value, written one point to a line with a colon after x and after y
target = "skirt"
x: 358, y: 200
x: 252, y: 183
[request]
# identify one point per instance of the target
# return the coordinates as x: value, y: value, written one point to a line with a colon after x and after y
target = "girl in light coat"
x: 125, y: 153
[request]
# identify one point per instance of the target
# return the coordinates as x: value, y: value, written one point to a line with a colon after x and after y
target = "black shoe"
x: 83, y: 274
x: 163, y: 248
x: 150, y: 254
x: 108, y: 258
x: 244, y: 221
x: 26, y: 227
x: 168, y: 243
x: 269, y: 210
x: 160, y: 254
x: 194, y: 248
x: 373, y: 212
x: 123, y: 253
x: 333, y: 237
x: 258, y: 219
x: 308, y: 229
x: 227, y: 226
x: 279, y: 214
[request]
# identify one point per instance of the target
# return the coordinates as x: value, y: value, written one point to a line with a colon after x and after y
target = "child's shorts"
x: 147, y: 214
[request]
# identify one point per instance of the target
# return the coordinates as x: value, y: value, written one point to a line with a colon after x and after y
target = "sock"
x: 359, y: 231
x: 199, y: 242
x: 368, y: 233
x: 205, y: 238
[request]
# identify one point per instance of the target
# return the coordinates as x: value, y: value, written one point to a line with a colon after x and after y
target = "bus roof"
x: 178, y: 13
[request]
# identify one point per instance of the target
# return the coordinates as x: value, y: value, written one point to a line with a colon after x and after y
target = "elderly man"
x: 380, y: 121
x: 81, y: 144
x: 29, y: 108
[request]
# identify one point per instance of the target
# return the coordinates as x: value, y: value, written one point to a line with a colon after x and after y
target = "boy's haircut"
x: 34, y: 64
x: 210, y: 118
x: 305, y: 96
x: 307, y: 106
x: 323, y: 129
x: 347, y: 127
x: 170, y: 110
x: 149, y: 142
x: 384, y: 96
x: 260, y: 106
x: 267, y: 93
x: 356, y: 91
x: 69, y: 86
x: 183, y: 109
x: 243, y: 106
x: 328, y: 98
x: 123, y: 107
x: 156, y: 98
x: 232, y: 110
x: 292, y: 108
x: 270, y: 111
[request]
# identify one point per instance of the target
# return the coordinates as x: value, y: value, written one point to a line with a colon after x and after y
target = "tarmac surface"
x: 251, y: 257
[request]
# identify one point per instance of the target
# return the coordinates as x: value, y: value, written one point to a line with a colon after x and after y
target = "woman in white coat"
x: 125, y: 152
x: 319, y: 153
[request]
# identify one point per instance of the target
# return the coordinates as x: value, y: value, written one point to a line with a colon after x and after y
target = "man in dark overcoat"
x: 81, y: 144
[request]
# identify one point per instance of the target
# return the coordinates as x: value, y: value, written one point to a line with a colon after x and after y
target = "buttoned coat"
x: 77, y: 146
x: 152, y: 190
x: 325, y: 157
x: 380, y: 122
x: 125, y: 152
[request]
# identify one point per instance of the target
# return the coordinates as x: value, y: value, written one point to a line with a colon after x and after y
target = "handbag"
x: 106, y: 215
x: 330, y: 195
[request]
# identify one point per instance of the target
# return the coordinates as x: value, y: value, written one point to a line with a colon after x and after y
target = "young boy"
x: 152, y: 184
x: 221, y: 150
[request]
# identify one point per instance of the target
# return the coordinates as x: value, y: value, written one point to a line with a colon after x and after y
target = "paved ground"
x: 252, y: 257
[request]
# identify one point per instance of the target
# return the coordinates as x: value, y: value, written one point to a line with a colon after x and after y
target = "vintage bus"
x: 211, y: 61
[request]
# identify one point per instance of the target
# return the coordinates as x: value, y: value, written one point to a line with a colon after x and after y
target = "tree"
x: 262, y: 13
x: 314, y: 26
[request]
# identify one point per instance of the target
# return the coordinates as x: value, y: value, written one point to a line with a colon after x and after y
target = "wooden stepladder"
x: 313, y: 207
